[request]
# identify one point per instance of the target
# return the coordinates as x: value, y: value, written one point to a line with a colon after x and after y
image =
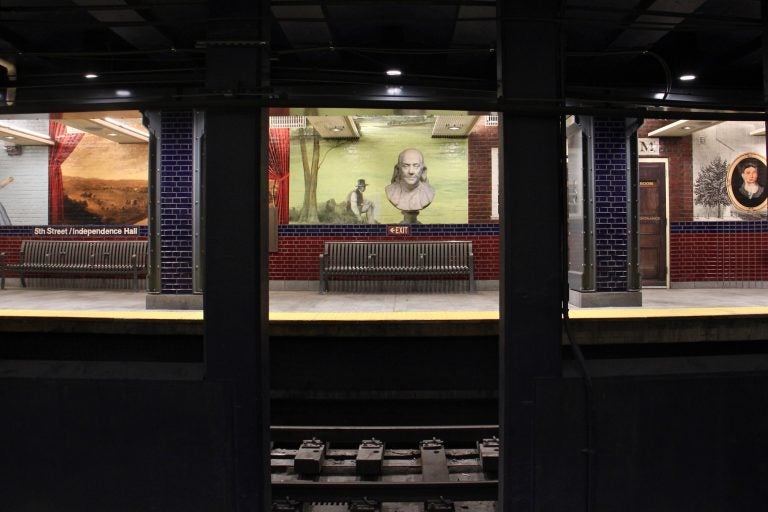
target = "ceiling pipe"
x: 10, y: 92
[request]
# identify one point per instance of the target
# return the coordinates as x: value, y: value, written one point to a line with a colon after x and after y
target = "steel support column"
x: 235, y: 216
x: 531, y: 249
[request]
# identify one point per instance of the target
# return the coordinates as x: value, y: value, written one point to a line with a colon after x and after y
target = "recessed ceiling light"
x: 394, y: 72
x: 687, y: 78
x: 453, y: 127
x: 686, y: 127
x: 659, y: 95
x: 394, y: 90
x: 91, y: 76
x: 123, y: 93
x: 113, y: 134
x: 10, y: 137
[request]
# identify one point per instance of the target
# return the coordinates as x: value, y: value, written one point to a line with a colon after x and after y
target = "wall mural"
x: 730, y: 177
x: 24, y: 172
x: 380, y: 177
x: 745, y: 181
x: 105, y: 183
x: 71, y: 176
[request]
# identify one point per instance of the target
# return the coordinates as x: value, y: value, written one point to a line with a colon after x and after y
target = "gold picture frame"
x: 741, y: 198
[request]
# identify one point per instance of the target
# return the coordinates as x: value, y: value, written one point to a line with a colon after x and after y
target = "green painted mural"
x: 372, y: 158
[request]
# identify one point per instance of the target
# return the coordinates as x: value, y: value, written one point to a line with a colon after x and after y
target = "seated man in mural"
x: 750, y: 192
x: 410, y: 190
x: 4, y: 219
x: 361, y: 207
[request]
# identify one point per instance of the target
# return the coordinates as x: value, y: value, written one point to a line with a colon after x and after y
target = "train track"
x: 429, y: 468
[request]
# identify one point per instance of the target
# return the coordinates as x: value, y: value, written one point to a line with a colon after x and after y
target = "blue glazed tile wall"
x: 724, y: 227
x: 610, y: 204
x: 176, y: 207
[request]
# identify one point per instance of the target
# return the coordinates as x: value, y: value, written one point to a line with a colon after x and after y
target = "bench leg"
x: 23, y: 280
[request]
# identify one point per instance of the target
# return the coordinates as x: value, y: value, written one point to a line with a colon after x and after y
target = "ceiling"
x: 623, y: 49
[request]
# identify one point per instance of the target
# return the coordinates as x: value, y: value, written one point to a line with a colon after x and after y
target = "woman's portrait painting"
x: 746, y: 182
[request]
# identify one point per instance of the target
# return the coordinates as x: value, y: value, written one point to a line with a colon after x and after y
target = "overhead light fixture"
x: 687, y: 78
x: 91, y: 76
x: 23, y: 137
x: 394, y: 91
x: 682, y: 128
x: 454, y: 126
x: 659, y: 95
x: 394, y: 72
x: 110, y: 128
x: 123, y: 93
x: 335, y: 127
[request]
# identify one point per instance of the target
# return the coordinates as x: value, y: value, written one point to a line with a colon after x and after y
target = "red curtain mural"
x: 64, y: 144
x: 279, y: 164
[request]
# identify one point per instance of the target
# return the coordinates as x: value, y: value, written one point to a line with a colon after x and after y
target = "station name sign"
x: 74, y: 230
x: 399, y: 230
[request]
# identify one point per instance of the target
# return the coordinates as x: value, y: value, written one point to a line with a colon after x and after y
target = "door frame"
x: 665, y: 161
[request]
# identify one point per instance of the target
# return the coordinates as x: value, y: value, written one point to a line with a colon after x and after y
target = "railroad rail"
x: 431, y: 468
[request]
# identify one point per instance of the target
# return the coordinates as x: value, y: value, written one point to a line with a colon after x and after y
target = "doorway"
x: 652, y: 223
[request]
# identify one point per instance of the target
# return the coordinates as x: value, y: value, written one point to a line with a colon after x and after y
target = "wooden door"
x: 652, y: 225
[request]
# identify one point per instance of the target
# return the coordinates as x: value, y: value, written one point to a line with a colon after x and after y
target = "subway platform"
x: 110, y: 333
x: 300, y: 304
x: 693, y: 314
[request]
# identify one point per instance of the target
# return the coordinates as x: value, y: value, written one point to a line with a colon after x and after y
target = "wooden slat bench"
x: 102, y: 257
x: 441, y: 258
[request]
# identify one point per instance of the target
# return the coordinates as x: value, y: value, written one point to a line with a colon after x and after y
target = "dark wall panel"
x: 114, y: 445
x: 662, y: 443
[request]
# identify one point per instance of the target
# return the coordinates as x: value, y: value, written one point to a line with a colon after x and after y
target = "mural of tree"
x: 709, y: 189
x: 311, y: 165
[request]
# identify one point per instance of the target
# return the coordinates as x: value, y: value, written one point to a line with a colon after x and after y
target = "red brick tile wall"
x: 11, y: 244
x: 701, y: 251
x: 719, y: 257
x: 481, y: 141
x: 298, y: 256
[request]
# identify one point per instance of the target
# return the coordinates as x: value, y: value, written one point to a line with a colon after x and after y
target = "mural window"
x: 331, y: 166
x: 85, y: 168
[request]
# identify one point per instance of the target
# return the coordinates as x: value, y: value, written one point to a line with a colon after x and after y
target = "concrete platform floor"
x: 284, y: 304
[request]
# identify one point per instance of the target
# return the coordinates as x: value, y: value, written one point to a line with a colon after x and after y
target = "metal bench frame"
x: 108, y: 257
x: 435, y: 258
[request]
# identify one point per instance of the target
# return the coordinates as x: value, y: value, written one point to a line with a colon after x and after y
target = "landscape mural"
x: 105, y: 183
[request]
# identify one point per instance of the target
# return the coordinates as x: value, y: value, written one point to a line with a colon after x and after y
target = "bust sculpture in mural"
x: 410, y: 190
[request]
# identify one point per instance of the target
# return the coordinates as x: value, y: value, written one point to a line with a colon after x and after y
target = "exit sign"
x: 399, y: 230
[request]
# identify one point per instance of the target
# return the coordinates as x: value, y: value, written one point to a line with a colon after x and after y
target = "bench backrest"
x: 399, y: 254
x: 85, y: 252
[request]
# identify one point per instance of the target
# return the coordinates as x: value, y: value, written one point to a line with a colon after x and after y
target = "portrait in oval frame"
x: 746, y: 182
